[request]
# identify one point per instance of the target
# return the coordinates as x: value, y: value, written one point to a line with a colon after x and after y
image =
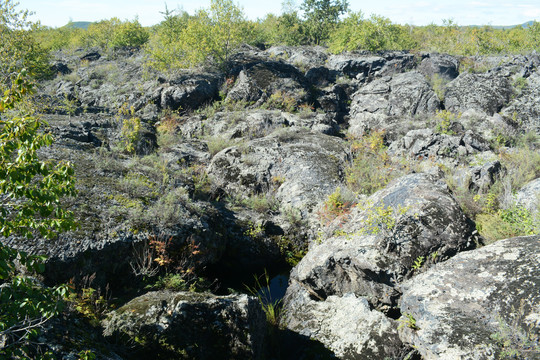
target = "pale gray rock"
x: 366, y: 256
x: 529, y: 196
x: 488, y: 93
x: 345, y: 324
x: 299, y: 167
x: 384, y: 103
x: 462, y: 305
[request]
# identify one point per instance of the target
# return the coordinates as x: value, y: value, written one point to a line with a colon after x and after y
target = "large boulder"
x: 383, y: 103
x: 346, y: 325
x: 369, y: 252
x: 525, y: 108
x: 488, y: 93
x: 259, y: 80
x: 253, y: 124
x: 296, y: 166
x: 367, y: 256
x: 478, y: 304
x: 189, y: 91
x: 448, y: 149
x: 365, y: 65
x: 198, y: 326
x: 442, y: 65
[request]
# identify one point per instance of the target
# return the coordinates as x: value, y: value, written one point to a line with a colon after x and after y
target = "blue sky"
x: 483, y: 12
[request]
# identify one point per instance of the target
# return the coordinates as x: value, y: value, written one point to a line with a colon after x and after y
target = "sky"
x: 56, y: 13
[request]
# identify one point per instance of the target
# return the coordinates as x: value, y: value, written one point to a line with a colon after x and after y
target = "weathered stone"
x: 201, y: 326
x: 442, y: 65
x: 529, y: 196
x: 484, y: 92
x: 383, y: 103
x: 440, y: 148
x: 462, y: 305
x: 300, y: 168
x: 189, y: 92
x: 368, y: 257
x: 478, y: 179
x: 345, y: 324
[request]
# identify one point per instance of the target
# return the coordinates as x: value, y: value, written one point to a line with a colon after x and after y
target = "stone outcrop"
x: 488, y: 93
x: 199, y: 326
x: 370, y: 252
x: 477, y: 304
x: 298, y: 167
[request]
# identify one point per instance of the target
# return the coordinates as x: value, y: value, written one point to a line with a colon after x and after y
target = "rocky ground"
x: 361, y: 175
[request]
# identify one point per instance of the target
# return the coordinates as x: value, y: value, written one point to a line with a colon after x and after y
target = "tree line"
x: 210, y: 35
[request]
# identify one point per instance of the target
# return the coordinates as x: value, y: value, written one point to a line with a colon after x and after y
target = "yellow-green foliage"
x: 444, y: 120
x: 113, y: 33
x: 507, y: 223
x: 371, y: 168
x: 211, y: 35
x: 280, y: 100
x: 130, y: 132
x: 382, y: 218
x: 337, y: 204
x: 18, y: 46
x: 375, y: 33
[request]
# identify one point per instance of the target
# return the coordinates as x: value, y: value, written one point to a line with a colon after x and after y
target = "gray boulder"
x: 299, y: 56
x: 525, y: 108
x: 365, y: 65
x: 442, y: 65
x: 199, y: 326
x: 298, y: 167
x: 345, y: 287
x: 375, y: 247
x: 383, y: 103
x: 260, y: 79
x: 253, y: 124
x: 344, y: 324
x: 529, y: 196
x: 488, y: 93
x: 477, y: 304
x: 478, y: 179
x: 189, y: 91
x: 450, y: 150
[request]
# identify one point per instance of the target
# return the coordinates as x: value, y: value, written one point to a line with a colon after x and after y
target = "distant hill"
x: 500, y: 27
x: 78, y: 24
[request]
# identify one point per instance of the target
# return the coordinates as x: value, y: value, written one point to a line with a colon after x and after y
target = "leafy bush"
x: 321, y: 17
x: 375, y: 33
x: 210, y: 36
x: 114, y: 34
x: 371, y: 168
x: 18, y: 48
x: 30, y: 192
x: 130, y: 132
x: 507, y: 223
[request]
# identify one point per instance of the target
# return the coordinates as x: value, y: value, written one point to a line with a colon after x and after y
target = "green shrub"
x: 371, y: 168
x: 507, y: 223
x: 130, y: 132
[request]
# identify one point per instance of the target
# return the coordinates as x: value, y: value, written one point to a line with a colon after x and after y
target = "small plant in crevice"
x: 130, y: 131
x: 291, y: 252
x: 444, y: 120
x: 371, y: 168
x: 408, y: 320
x: 337, y: 205
x: 272, y: 308
x: 418, y: 263
x: 514, y: 341
x: 175, y: 264
x: 438, y: 83
x: 90, y: 302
